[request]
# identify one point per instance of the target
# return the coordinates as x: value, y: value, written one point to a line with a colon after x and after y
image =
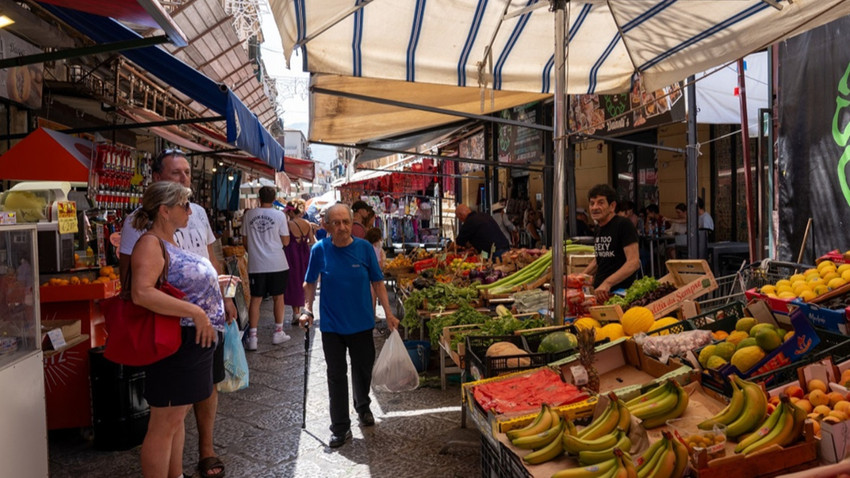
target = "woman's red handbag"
x: 138, y: 336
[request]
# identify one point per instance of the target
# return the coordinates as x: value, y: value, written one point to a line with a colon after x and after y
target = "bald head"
x: 462, y: 211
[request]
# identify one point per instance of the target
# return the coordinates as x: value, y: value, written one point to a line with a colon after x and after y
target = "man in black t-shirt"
x: 480, y: 231
x: 617, y: 259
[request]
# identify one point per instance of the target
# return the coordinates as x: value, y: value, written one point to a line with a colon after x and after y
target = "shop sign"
x: 21, y: 84
x: 67, y: 217
x: 520, y: 145
x: 627, y: 112
x: 472, y: 148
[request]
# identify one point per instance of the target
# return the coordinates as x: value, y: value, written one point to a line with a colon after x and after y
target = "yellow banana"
x: 629, y: 465
x: 730, y: 413
x: 571, y: 428
x: 754, y: 409
x: 799, y: 420
x: 666, y: 463
x: 682, y: 457
x: 682, y: 400
x: 591, y: 457
x: 604, y: 424
x: 781, y: 431
x: 658, y: 405
x: 649, y: 395
x: 593, y: 471
x: 549, y: 452
x: 575, y: 445
x: 625, y: 421
x: 540, y: 440
x: 650, y: 453
x: 763, y: 429
x: 622, y: 469
x: 541, y: 423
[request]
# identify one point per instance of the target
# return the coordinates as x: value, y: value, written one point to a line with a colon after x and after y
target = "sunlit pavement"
x: 258, y: 430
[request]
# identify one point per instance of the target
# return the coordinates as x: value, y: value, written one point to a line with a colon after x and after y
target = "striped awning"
x: 509, y: 45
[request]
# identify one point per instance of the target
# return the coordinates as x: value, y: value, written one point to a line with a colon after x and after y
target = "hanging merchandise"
x: 226, y: 189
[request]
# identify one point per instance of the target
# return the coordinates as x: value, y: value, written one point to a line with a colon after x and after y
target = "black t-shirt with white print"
x: 610, y: 242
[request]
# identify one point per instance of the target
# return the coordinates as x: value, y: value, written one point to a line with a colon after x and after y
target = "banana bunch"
x: 655, y: 407
x: 543, y: 435
x: 746, y: 409
x: 619, y: 466
x: 666, y: 458
x: 782, y: 427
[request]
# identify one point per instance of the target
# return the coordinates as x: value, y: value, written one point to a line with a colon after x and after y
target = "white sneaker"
x: 280, y: 337
x: 251, y: 343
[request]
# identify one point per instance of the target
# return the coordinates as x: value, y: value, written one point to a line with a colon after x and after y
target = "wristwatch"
x: 306, y: 312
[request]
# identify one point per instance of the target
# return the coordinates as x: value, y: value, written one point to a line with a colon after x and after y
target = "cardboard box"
x: 71, y: 329
x: 835, y: 320
x: 692, y: 279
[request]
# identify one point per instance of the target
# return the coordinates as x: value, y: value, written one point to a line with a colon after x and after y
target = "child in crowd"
x: 375, y: 237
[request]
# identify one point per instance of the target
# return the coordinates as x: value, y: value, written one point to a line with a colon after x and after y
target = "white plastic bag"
x: 394, y: 370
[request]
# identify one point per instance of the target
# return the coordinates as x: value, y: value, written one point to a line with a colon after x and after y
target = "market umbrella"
x: 590, y: 46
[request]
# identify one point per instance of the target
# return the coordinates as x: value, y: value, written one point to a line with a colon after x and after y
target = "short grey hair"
x: 344, y: 206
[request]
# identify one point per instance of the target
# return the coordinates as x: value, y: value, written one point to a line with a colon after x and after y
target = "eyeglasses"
x: 186, y: 205
x: 170, y: 152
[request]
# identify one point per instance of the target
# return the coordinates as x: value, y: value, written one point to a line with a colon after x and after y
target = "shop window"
x: 636, y: 170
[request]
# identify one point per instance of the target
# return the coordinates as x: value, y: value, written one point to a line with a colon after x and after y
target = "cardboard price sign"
x: 67, y: 217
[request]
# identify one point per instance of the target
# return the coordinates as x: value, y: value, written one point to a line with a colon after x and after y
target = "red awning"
x: 47, y: 155
x: 298, y: 168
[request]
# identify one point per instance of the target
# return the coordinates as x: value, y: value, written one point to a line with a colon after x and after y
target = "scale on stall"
x: 38, y: 202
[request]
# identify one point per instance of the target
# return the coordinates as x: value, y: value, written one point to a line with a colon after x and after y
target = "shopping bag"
x: 235, y: 363
x: 394, y: 370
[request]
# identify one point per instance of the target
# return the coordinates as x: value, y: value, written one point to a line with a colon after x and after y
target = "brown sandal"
x: 206, y: 465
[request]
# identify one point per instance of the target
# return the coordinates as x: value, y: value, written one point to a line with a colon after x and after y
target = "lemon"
x: 820, y: 290
x: 783, y: 283
x: 835, y: 283
x: 829, y: 276
x: 780, y: 289
x: 810, y: 272
x: 794, y: 278
x: 807, y: 295
x: 768, y: 289
x: 800, y: 287
x: 846, y: 274
x: 813, y: 277
x: 826, y: 264
x: 787, y: 295
x: 842, y: 268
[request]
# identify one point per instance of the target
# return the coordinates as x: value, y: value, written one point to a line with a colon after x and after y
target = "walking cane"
x: 306, y: 366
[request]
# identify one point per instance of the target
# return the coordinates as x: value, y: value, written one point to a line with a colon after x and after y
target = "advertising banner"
x: 21, y: 84
x: 813, y: 142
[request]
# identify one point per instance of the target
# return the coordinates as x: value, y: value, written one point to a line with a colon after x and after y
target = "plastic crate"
x: 491, y: 460
x: 715, y: 319
x: 512, y: 464
x: 531, y: 342
x: 487, y: 367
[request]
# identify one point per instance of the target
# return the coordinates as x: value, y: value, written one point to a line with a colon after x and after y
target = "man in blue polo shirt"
x: 348, y: 268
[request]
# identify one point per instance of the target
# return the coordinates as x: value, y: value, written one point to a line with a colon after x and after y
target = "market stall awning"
x: 360, y: 176
x: 47, y: 155
x: 298, y: 168
x: 243, y: 128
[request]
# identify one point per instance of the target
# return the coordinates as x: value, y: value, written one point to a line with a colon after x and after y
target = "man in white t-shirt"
x: 196, y: 237
x: 266, y: 234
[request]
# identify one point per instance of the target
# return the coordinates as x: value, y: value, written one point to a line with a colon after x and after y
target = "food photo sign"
x: 21, y: 84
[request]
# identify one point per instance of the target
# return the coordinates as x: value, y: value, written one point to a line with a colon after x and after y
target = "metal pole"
x: 748, y: 173
x: 560, y: 148
x: 691, y: 171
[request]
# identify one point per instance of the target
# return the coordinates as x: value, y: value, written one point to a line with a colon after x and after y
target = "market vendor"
x: 617, y: 259
x: 480, y: 231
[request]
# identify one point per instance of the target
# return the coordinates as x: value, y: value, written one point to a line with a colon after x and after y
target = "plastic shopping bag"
x: 394, y: 370
x: 235, y: 363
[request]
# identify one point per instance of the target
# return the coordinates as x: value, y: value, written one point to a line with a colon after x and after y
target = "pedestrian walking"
x: 348, y: 268
x: 266, y: 236
x: 196, y: 237
x: 297, y: 255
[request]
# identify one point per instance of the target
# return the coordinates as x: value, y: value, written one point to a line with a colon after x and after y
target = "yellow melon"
x: 637, y: 320
x: 612, y: 331
x: 586, y: 323
x: 663, y: 322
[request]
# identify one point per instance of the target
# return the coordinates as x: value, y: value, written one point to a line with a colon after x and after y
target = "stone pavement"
x: 258, y: 430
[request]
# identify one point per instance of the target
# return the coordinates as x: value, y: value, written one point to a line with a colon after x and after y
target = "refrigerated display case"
x: 23, y: 418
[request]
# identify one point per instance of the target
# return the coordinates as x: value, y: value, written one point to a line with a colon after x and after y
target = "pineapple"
x: 587, y: 355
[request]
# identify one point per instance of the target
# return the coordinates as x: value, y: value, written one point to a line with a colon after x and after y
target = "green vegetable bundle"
x: 638, y: 289
x: 531, y: 272
x: 465, y: 315
x: 437, y: 297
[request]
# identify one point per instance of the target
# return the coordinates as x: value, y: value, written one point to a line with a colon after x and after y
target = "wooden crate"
x: 458, y: 353
x: 692, y: 277
x: 576, y: 263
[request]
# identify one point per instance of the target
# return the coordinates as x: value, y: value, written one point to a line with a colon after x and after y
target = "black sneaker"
x: 339, y: 440
x: 366, y: 418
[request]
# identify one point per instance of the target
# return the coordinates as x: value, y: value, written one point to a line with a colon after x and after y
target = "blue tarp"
x: 243, y: 128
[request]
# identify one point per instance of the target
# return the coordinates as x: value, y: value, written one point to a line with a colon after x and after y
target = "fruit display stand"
x: 67, y: 371
x: 692, y: 279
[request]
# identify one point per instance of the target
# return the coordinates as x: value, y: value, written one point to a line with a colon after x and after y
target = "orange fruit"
x: 816, y: 384
x: 817, y: 397
x: 822, y: 410
x: 834, y: 397
x: 793, y: 391
x: 807, y: 405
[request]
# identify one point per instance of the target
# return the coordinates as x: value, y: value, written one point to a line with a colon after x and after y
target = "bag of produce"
x: 663, y: 346
x: 394, y: 370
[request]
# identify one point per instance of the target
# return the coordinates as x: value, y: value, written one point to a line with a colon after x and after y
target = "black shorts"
x: 218, y: 360
x: 268, y: 283
x: 183, y: 378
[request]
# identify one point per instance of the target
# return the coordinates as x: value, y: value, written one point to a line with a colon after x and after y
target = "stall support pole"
x: 560, y: 142
x: 691, y: 171
x: 748, y: 173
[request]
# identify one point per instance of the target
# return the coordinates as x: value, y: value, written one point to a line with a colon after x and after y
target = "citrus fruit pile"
x: 811, y: 283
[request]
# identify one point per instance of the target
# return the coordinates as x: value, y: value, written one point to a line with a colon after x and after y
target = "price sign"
x: 67, y: 217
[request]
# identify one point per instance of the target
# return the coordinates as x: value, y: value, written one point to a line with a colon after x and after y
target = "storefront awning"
x: 47, y: 155
x: 243, y: 128
x: 298, y: 168
x: 360, y: 176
